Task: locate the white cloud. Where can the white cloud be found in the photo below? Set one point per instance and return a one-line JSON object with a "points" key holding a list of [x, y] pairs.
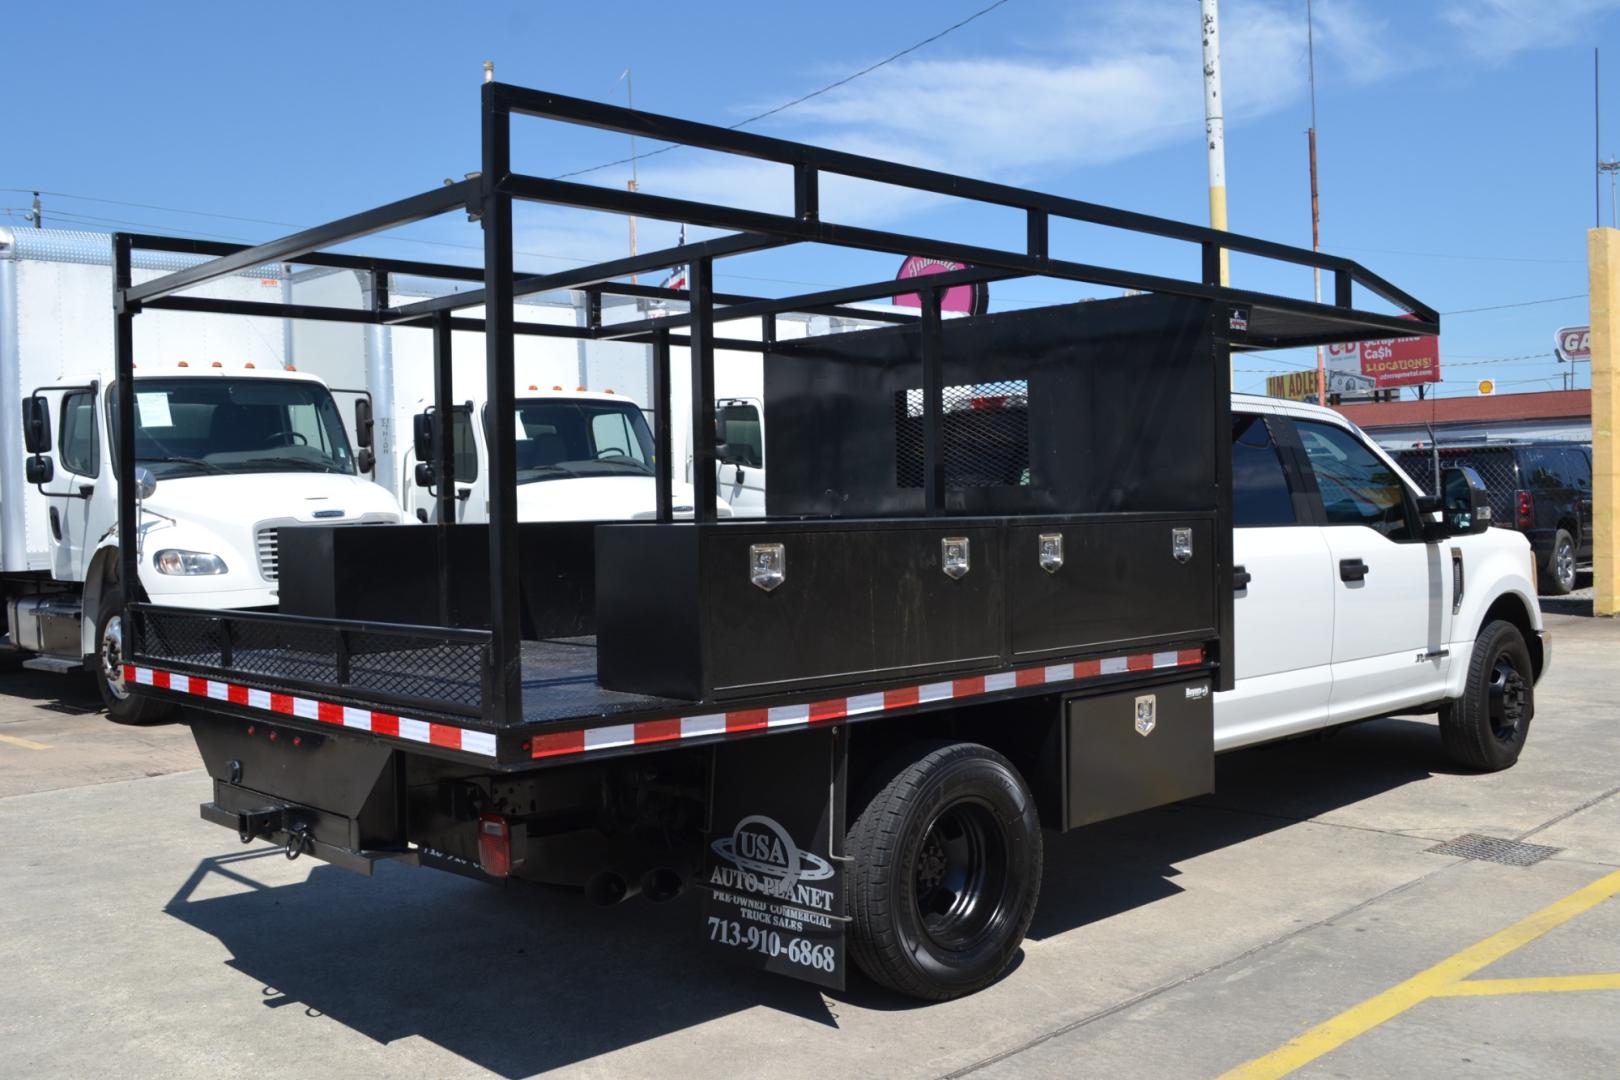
{"points": [[1498, 29], [1128, 82]]}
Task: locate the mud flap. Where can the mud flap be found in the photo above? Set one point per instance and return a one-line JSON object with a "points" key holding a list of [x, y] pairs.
{"points": [[774, 864]]}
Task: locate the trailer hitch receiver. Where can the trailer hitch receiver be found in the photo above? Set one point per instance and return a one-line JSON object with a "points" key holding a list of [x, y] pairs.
{"points": [[263, 821]]}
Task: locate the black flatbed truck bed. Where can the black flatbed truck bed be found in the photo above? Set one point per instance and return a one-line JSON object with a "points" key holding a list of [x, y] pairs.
{"points": [[1030, 587]]}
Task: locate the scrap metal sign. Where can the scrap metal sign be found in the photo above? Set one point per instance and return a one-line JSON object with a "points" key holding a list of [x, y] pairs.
{"points": [[1364, 366]]}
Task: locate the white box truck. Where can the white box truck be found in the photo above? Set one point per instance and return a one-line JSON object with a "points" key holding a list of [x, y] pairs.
{"points": [[231, 448]]}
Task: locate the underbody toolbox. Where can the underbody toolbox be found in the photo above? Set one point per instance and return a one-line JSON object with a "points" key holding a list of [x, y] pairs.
{"points": [[1138, 749]]}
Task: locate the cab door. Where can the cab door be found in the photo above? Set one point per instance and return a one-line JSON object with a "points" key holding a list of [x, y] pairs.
{"points": [[1282, 599], [1391, 590], [740, 472], [77, 508]]}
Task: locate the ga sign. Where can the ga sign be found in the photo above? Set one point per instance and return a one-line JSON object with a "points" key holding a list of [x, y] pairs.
{"points": [[1573, 343]]}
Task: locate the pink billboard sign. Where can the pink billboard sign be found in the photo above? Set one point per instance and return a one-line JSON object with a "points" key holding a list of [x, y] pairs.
{"points": [[965, 299]]}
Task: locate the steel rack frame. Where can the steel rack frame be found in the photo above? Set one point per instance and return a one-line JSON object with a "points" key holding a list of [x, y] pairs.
{"points": [[1272, 321]]}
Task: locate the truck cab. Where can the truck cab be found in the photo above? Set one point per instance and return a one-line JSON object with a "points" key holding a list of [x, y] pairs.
{"points": [[1349, 602], [581, 456], [225, 458]]}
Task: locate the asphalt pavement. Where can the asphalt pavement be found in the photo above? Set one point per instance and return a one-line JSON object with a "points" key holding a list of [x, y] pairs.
{"points": [[1295, 921]]}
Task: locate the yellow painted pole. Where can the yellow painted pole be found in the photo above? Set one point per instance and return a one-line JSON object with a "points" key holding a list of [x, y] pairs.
{"points": [[1215, 123], [1603, 263]]}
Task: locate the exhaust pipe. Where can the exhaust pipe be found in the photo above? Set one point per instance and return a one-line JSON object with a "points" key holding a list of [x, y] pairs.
{"points": [[661, 884], [607, 889]]}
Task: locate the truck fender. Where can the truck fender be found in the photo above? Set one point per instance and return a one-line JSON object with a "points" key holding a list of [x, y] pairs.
{"points": [[103, 569], [1514, 603]]}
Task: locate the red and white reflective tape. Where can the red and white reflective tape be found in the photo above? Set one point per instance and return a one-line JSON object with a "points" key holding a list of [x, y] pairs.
{"points": [[430, 732], [644, 732]]}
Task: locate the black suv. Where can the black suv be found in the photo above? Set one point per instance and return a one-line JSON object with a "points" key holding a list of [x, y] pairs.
{"points": [[1542, 489]]}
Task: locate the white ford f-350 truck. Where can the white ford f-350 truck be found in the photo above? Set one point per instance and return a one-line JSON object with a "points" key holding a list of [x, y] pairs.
{"points": [[1347, 607], [1017, 572]]}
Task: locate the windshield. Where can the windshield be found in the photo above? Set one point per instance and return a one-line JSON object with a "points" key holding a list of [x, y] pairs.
{"points": [[559, 439], [201, 426]]}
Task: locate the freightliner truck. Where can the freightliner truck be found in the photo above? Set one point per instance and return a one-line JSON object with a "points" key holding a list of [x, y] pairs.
{"points": [[231, 448], [846, 724]]}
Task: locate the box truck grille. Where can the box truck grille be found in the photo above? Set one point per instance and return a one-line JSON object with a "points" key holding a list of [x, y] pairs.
{"points": [[268, 546], [267, 540]]}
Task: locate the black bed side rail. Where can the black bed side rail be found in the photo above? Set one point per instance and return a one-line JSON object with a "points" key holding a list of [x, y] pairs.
{"points": [[442, 669]]}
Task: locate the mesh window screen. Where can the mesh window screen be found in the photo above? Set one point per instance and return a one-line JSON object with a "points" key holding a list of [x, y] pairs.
{"points": [[985, 435]]}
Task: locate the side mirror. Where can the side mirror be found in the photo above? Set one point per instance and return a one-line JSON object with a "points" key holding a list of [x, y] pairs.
{"points": [[39, 469], [36, 425], [1465, 505], [422, 437], [145, 482], [362, 425], [424, 474], [365, 459]]}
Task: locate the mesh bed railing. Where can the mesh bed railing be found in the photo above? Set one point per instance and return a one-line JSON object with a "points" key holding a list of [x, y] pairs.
{"points": [[429, 668]]}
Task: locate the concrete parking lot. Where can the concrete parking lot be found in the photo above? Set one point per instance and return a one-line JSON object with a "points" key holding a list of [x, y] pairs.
{"points": [[1294, 920]]}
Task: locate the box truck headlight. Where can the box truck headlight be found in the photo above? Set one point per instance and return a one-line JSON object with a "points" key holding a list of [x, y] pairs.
{"points": [[176, 561]]}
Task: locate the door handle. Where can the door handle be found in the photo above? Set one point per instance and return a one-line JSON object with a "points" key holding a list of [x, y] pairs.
{"points": [[1352, 570], [1240, 579], [86, 490]]}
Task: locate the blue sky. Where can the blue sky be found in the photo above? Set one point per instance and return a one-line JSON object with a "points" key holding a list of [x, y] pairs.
{"points": [[1456, 137]]}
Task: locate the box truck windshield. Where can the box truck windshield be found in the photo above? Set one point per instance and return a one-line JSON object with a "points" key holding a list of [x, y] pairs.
{"points": [[196, 426]]}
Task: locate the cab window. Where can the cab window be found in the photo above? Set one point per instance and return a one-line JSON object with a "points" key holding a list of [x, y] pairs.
{"points": [[80, 450], [462, 446], [1260, 494], [739, 429], [1357, 487]]}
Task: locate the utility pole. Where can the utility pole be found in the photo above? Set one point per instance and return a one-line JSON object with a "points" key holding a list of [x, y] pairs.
{"points": [[1214, 125], [1316, 212], [35, 215], [630, 100]]}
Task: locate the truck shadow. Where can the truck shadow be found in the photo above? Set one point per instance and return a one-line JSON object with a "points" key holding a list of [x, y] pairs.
{"points": [[517, 980], [1106, 869], [522, 979], [74, 694]]}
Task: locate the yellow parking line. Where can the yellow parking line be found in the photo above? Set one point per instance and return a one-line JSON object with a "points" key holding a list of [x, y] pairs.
{"points": [[1437, 980], [26, 744], [1551, 984]]}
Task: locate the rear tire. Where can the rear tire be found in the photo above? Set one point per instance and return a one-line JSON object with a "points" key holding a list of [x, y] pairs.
{"points": [[1559, 579], [1486, 728], [106, 666], [946, 871]]}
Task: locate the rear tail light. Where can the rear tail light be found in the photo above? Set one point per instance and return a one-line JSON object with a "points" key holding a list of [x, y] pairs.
{"points": [[1525, 509], [494, 845]]}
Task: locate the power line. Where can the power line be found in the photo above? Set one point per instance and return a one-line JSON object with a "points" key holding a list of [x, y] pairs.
{"points": [[803, 97], [1463, 257], [1522, 303]]}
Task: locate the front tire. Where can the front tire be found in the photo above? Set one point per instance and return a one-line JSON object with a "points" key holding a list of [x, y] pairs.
{"points": [[1486, 728], [107, 665], [1560, 577], [946, 871]]}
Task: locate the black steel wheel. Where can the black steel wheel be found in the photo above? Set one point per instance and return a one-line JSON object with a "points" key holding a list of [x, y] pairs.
{"points": [[946, 870], [1559, 578], [1487, 727]]}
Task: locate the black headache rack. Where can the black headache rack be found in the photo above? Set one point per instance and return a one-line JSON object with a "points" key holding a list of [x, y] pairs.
{"points": [[961, 508]]}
